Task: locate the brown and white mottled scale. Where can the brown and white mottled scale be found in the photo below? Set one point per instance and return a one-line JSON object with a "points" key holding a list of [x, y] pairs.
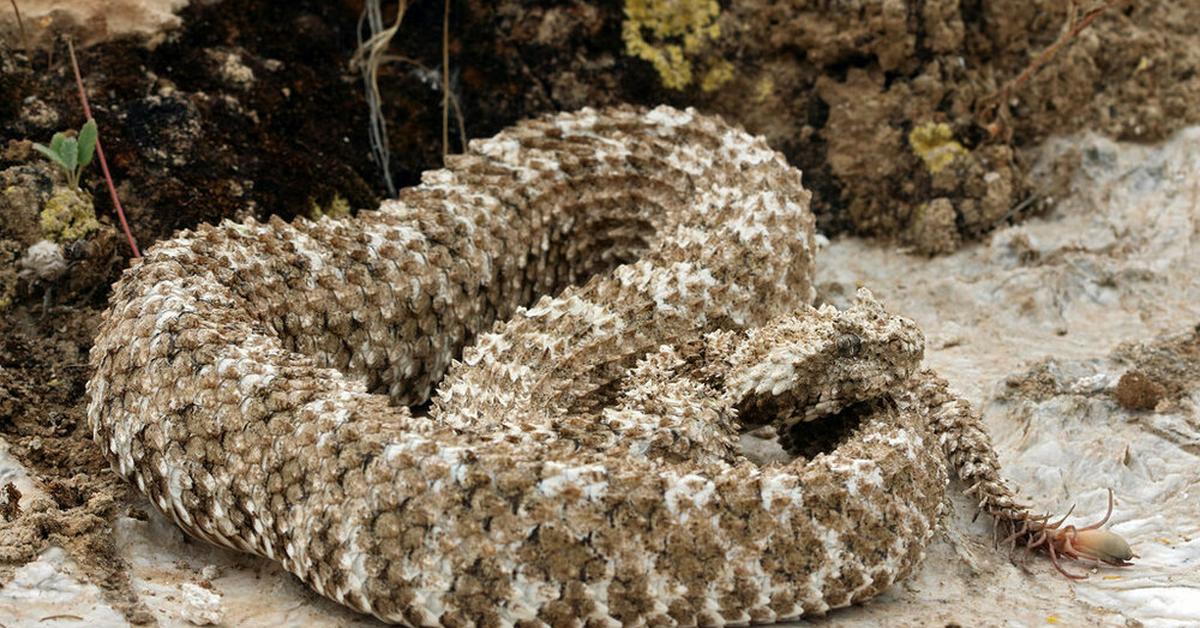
{"points": [[628, 289]]}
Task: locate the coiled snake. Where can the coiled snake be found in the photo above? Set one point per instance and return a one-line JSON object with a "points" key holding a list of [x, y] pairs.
{"points": [[580, 463]]}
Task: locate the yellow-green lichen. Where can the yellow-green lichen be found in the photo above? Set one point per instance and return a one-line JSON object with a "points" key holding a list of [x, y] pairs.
{"points": [[669, 33], [338, 207], [68, 216], [934, 143], [719, 74], [764, 89]]}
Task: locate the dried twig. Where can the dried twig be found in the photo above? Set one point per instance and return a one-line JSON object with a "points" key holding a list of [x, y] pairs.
{"points": [[991, 104], [112, 189], [454, 103], [367, 59], [21, 26], [372, 54], [445, 78]]}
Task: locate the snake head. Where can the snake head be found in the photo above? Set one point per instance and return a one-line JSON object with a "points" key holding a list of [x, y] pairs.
{"points": [[816, 362], [869, 353]]}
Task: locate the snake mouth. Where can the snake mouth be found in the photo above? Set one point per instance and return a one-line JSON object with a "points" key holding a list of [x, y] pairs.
{"points": [[808, 439], [779, 435]]}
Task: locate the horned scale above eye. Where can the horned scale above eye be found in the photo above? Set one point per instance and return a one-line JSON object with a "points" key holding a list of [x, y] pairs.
{"points": [[579, 463]]}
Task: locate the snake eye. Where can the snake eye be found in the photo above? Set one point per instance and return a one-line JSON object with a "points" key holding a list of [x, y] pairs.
{"points": [[849, 345]]}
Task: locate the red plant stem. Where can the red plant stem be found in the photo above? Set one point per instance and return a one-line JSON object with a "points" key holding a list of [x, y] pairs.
{"points": [[112, 189], [1073, 31], [1071, 34]]}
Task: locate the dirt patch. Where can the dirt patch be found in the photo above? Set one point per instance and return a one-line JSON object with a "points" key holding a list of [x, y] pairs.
{"points": [[1137, 392], [854, 95], [886, 108], [250, 109], [42, 377], [1156, 375], [1164, 370]]}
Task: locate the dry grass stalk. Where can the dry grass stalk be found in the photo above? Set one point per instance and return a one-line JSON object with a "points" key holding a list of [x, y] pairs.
{"points": [[21, 26], [446, 79], [367, 59], [989, 112]]}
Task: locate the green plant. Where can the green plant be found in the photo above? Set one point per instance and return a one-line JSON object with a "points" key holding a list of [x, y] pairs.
{"points": [[72, 154]]}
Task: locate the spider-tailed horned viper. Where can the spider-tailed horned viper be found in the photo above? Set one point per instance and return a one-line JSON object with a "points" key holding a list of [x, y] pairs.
{"points": [[580, 463]]}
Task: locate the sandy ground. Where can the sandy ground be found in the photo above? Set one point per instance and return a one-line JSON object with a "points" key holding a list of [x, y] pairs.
{"points": [[1037, 325]]}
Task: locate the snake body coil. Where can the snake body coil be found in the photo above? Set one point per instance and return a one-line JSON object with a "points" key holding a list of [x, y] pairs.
{"points": [[579, 465]]}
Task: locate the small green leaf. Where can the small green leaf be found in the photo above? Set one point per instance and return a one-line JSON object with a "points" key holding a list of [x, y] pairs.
{"points": [[70, 153], [49, 154], [56, 142], [87, 142]]}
